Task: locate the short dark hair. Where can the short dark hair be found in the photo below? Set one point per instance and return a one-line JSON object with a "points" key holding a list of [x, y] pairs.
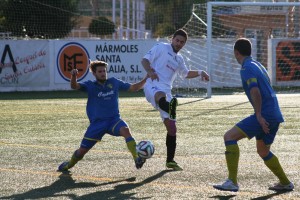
{"points": [[97, 63], [243, 46], [181, 32]]}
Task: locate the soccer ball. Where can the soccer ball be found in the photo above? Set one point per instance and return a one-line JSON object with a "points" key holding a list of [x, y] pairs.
{"points": [[145, 149]]}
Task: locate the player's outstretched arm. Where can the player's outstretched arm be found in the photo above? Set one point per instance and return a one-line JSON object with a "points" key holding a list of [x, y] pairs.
{"points": [[73, 82], [151, 73], [139, 85], [196, 73]]}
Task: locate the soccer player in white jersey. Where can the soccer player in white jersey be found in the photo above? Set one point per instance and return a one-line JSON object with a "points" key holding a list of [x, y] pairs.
{"points": [[162, 64]]}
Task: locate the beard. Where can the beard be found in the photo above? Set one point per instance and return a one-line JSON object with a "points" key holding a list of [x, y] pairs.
{"points": [[102, 79], [175, 48]]}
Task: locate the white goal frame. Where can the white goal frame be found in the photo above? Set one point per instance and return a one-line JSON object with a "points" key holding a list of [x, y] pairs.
{"points": [[210, 6]]}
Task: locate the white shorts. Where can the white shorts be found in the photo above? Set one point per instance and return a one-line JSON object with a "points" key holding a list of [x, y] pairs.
{"points": [[150, 92]]}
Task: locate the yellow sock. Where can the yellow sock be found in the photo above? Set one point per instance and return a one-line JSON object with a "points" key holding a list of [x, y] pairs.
{"points": [[232, 155], [74, 160], [272, 162], [131, 145]]}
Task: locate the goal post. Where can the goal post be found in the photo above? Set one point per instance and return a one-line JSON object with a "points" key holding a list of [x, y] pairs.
{"points": [[214, 27]]}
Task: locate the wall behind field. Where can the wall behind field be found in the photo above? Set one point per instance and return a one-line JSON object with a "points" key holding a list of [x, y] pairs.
{"points": [[45, 65], [42, 65]]}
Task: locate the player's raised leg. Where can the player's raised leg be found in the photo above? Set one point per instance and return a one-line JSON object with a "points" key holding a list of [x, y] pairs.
{"points": [[163, 104], [172, 108], [169, 107]]}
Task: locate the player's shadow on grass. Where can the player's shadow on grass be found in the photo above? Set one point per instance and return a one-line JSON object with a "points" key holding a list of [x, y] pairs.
{"points": [[191, 102], [270, 196], [209, 111], [65, 182], [121, 191], [223, 197]]}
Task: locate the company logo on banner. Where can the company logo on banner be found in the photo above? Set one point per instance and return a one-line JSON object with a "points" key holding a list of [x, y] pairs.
{"points": [[73, 56], [287, 61]]}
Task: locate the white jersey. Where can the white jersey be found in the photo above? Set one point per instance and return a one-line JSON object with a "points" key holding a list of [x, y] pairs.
{"points": [[167, 64]]}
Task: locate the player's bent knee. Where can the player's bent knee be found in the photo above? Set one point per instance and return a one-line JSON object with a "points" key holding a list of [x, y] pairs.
{"points": [[124, 131], [227, 136], [233, 134], [263, 153]]}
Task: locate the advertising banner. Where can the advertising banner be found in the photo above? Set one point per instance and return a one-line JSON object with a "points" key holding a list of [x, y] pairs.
{"points": [[123, 58], [287, 61], [45, 65], [283, 62], [24, 64]]}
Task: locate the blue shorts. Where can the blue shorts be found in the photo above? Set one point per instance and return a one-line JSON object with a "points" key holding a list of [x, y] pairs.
{"points": [[98, 129], [251, 128]]}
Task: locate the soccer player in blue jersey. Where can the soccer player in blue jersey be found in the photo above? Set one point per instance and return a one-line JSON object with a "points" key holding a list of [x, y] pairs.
{"points": [[103, 112], [263, 124]]}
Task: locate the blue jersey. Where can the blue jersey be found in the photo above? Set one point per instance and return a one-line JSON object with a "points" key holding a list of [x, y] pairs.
{"points": [[103, 99], [254, 74]]}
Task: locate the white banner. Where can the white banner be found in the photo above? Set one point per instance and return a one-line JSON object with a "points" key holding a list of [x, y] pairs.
{"points": [[124, 58], [44, 65], [24, 63]]}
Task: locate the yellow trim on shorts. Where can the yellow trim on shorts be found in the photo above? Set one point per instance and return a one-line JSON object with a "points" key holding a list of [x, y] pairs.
{"points": [[242, 132], [91, 139], [113, 129]]}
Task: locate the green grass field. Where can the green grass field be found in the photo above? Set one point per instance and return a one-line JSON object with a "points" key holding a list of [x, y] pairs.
{"points": [[40, 130]]}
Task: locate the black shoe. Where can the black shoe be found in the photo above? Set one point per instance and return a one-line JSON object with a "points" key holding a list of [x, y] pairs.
{"points": [[63, 167], [139, 162], [172, 108], [173, 165], [282, 188]]}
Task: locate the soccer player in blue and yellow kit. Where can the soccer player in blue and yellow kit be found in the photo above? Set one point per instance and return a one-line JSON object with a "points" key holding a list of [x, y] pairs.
{"points": [[103, 112], [263, 124]]}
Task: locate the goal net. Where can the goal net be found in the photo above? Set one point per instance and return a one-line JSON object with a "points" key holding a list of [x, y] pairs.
{"points": [[273, 29]]}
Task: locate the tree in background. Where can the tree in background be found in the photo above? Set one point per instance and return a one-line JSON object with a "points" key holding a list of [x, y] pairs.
{"points": [[42, 18], [2, 3], [56, 18], [102, 26], [163, 17]]}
